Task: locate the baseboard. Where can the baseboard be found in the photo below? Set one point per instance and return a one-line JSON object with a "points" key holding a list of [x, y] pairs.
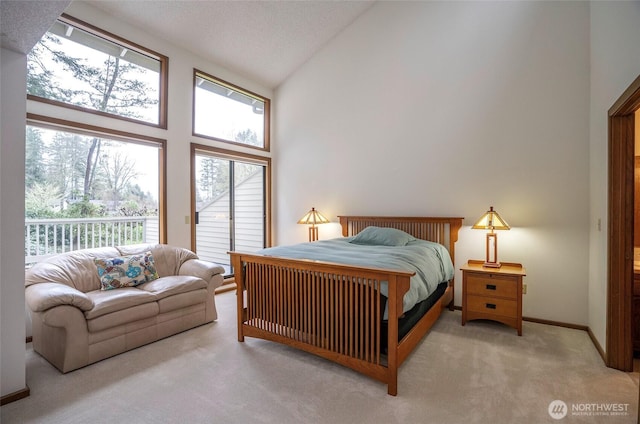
{"points": [[228, 285], [566, 325], [556, 323], [12, 397], [603, 355], [576, 327]]}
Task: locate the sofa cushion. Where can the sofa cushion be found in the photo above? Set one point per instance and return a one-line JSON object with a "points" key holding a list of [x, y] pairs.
{"points": [[172, 285], [126, 271], [75, 269], [182, 301], [106, 302], [129, 316]]}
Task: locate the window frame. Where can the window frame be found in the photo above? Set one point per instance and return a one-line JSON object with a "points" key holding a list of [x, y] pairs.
{"points": [[122, 136], [233, 156], [267, 111], [164, 75]]}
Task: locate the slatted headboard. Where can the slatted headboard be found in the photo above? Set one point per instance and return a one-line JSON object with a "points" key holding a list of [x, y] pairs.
{"points": [[443, 230]]}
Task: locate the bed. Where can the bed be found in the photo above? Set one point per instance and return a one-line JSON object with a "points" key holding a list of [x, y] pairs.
{"points": [[356, 315]]}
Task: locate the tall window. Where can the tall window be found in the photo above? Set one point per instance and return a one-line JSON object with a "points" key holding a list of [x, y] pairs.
{"points": [[225, 112], [89, 186], [79, 66], [231, 202], [86, 189]]}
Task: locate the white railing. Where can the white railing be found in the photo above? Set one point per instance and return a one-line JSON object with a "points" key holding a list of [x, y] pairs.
{"points": [[46, 237]]}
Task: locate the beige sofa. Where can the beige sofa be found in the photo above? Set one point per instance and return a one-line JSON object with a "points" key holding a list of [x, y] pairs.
{"points": [[75, 323]]}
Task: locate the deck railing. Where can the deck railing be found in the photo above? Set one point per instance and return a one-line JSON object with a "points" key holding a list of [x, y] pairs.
{"points": [[47, 237]]}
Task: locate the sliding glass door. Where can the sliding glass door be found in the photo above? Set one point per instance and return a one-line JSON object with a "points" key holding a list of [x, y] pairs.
{"points": [[230, 205]]}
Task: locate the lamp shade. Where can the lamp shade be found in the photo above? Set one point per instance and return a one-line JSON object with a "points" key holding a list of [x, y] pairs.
{"points": [[313, 217], [491, 220]]}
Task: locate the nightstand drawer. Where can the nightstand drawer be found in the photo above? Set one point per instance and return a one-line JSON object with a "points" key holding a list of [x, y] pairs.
{"points": [[492, 305], [492, 285]]}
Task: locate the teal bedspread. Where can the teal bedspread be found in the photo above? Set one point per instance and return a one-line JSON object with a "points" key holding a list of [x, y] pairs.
{"points": [[430, 261]]}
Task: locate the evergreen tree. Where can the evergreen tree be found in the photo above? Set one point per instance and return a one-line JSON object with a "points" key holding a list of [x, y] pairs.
{"points": [[213, 179], [65, 167], [248, 136], [35, 167]]}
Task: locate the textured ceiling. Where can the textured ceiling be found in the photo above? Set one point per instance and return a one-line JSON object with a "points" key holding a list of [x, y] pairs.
{"points": [[23, 23], [262, 40]]}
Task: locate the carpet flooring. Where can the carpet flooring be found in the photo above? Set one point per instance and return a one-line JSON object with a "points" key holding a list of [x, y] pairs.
{"points": [[480, 373]]}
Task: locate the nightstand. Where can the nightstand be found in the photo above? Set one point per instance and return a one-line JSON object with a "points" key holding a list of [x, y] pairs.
{"points": [[493, 293]]}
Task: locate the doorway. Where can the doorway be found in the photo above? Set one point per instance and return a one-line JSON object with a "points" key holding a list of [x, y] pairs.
{"points": [[621, 228], [635, 304]]}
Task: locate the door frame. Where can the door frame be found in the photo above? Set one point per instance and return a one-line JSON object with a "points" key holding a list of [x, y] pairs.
{"points": [[621, 162], [231, 155]]}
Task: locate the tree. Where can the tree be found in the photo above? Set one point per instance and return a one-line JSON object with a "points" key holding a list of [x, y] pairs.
{"points": [[39, 199], [206, 180], [119, 171], [115, 87], [34, 160], [144, 202], [65, 163], [40, 81], [214, 173], [214, 178], [248, 136]]}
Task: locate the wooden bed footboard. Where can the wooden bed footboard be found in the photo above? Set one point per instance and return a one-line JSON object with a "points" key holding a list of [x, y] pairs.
{"points": [[333, 310]]}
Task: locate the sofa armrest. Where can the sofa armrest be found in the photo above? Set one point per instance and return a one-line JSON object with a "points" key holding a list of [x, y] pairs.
{"points": [[202, 269], [43, 296]]}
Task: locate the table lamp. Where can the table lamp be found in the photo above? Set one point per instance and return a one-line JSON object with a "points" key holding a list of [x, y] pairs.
{"points": [[491, 220], [312, 218]]}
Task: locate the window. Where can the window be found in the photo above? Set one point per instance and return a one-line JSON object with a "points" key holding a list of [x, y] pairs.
{"points": [[230, 198], [228, 113], [79, 66], [88, 187]]}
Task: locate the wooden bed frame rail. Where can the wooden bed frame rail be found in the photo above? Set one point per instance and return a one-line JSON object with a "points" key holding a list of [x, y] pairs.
{"points": [[333, 310]]}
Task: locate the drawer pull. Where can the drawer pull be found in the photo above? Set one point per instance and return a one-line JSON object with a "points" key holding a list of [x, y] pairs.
{"points": [[490, 305], [491, 286]]}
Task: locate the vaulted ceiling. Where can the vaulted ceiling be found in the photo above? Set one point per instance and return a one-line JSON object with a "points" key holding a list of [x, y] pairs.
{"points": [[262, 40]]}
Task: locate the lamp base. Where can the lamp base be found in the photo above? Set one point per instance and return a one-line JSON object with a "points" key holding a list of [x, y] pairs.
{"points": [[313, 233], [492, 264]]}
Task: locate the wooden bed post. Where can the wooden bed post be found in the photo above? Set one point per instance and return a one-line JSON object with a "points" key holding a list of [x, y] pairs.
{"points": [[454, 227], [236, 262], [397, 287], [392, 341]]}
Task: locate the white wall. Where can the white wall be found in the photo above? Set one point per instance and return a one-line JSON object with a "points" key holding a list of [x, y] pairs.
{"points": [[615, 64], [433, 108], [13, 85]]}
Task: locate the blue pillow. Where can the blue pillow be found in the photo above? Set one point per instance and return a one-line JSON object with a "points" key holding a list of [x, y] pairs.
{"points": [[379, 236]]}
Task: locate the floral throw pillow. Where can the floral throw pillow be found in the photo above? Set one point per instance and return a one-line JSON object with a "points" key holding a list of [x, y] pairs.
{"points": [[126, 271]]}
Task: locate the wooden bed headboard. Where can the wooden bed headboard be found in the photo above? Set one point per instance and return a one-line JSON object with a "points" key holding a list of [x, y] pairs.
{"points": [[443, 230]]}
